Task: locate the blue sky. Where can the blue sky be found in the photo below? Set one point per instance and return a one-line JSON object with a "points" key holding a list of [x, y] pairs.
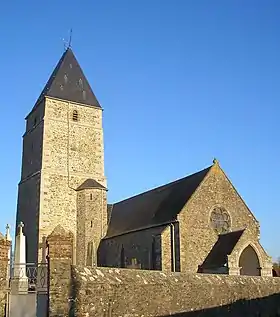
{"points": [[180, 82]]}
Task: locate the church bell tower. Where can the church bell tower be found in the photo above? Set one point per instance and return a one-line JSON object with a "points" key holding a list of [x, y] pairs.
{"points": [[62, 150]]}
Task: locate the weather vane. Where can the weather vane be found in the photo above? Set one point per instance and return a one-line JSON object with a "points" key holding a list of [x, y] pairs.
{"points": [[68, 44]]}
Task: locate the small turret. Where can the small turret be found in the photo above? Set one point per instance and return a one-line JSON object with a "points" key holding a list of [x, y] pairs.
{"points": [[91, 220]]}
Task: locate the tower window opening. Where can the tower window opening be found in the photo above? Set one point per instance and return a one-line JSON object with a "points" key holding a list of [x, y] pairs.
{"points": [[91, 224], [84, 95], [75, 115], [90, 196]]}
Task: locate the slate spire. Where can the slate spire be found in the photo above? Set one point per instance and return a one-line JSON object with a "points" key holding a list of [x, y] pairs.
{"points": [[68, 82]]}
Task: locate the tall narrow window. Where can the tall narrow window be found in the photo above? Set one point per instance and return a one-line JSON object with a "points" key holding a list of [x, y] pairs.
{"points": [[90, 196], [90, 254], [122, 258], [75, 115], [153, 255]]}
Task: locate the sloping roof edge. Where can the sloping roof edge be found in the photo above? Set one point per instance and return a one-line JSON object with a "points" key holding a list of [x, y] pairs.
{"points": [[238, 194], [165, 224], [66, 88], [157, 206], [91, 183], [223, 247], [164, 185]]}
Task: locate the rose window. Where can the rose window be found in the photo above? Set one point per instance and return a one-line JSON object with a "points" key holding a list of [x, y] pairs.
{"points": [[220, 220]]}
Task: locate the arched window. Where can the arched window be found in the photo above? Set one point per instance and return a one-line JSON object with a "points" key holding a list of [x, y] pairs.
{"points": [[75, 115]]}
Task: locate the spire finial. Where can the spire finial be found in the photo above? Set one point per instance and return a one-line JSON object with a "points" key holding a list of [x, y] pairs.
{"points": [[67, 44], [70, 39], [215, 161]]}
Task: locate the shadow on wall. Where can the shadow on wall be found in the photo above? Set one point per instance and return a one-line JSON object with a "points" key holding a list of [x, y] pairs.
{"points": [[263, 307]]}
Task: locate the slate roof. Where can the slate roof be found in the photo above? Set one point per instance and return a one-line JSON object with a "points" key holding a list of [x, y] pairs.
{"points": [[68, 82], [154, 207], [90, 183], [225, 244]]}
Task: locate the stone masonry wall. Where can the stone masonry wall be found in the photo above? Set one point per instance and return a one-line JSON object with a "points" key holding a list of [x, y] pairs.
{"points": [[151, 248], [171, 248], [29, 186], [60, 255], [35, 117], [32, 151], [138, 245], [131, 293], [197, 237], [85, 291], [27, 212], [72, 153], [85, 137], [5, 246], [166, 249]]}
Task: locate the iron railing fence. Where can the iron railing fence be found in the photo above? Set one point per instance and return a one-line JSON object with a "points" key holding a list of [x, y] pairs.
{"points": [[30, 277]]}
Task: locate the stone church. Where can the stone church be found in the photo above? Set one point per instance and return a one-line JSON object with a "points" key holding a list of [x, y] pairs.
{"points": [[195, 224]]}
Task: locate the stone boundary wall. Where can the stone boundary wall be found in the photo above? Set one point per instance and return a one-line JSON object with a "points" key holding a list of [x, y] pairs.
{"points": [[111, 292], [131, 293], [5, 246], [60, 255]]}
